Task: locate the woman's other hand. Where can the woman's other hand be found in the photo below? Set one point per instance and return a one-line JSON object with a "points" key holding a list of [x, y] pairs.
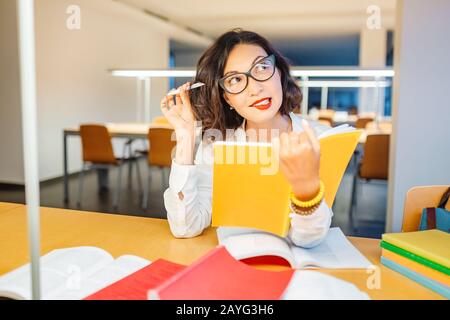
{"points": [[300, 161]]}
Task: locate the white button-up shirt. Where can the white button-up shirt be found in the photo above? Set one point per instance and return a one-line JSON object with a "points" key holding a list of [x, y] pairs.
{"points": [[190, 216]]}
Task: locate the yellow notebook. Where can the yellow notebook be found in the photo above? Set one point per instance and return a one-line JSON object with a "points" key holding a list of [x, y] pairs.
{"points": [[433, 245], [249, 189]]}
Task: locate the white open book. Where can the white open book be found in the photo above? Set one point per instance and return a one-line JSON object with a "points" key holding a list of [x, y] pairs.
{"points": [[335, 252], [70, 274], [314, 285]]}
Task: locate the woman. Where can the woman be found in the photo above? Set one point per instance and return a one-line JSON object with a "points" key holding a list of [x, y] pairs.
{"points": [[248, 88]]}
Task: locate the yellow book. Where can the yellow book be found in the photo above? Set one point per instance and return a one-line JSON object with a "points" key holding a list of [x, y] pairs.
{"points": [[417, 267], [249, 189], [433, 245]]}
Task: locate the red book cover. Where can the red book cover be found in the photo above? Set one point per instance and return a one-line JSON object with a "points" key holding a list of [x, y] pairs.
{"points": [[136, 285], [218, 275]]}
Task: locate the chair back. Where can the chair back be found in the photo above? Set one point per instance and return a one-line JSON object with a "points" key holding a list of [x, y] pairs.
{"points": [[161, 147], [325, 122], [361, 122], [96, 144], [327, 112], [418, 198], [375, 161]]}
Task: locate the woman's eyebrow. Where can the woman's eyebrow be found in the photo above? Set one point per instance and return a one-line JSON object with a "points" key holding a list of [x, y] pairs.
{"points": [[230, 72]]}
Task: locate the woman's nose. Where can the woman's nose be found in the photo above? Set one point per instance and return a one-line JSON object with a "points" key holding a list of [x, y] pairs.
{"points": [[254, 87]]}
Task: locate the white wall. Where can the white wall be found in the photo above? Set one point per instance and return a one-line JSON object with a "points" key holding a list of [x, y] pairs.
{"points": [[372, 54], [186, 59], [72, 79], [73, 83], [11, 164], [420, 144]]}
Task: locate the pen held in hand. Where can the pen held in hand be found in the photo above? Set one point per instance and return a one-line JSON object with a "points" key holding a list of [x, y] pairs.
{"points": [[177, 91]]}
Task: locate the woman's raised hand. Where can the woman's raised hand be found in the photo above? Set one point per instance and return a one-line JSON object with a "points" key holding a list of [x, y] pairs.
{"points": [[179, 112], [180, 116], [300, 161]]}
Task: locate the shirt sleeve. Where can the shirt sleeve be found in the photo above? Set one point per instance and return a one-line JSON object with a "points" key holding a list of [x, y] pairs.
{"points": [[190, 216], [309, 231]]}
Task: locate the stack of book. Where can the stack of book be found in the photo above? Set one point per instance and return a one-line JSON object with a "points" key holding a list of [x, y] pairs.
{"points": [[423, 256]]}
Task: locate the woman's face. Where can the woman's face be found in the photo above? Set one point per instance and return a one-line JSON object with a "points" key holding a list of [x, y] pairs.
{"points": [[260, 101]]}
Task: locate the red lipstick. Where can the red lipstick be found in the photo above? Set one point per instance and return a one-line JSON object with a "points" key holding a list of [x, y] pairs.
{"points": [[262, 104]]}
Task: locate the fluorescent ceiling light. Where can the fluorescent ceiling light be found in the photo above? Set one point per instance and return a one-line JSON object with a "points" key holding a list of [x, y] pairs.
{"points": [[342, 73], [344, 84], [153, 73]]}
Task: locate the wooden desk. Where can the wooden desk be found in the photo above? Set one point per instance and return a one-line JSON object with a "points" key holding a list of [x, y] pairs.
{"points": [[151, 239], [129, 130], [350, 119], [6, 206]]}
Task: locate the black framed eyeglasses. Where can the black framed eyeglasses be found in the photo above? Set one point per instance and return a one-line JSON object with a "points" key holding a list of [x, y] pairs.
{"points": [[261, 70]]}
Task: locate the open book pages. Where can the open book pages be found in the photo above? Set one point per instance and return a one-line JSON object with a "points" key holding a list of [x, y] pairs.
{"points": [[343, 128], [70, 274], [314, 285], [335, 252]]}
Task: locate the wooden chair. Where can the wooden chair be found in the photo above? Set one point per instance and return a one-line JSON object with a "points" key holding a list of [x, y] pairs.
{"points": [[327, 115], [373, 165], [361, 122], [98, 153], [326, 112], [161, 145], [418, 198], [325, 122]]}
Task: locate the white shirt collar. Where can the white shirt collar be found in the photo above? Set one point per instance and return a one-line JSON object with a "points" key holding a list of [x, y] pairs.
{"points": [[296, 126]]}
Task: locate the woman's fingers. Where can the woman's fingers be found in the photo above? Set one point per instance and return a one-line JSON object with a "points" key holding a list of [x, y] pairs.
{"points": [[287, 152], [284, 145], [299, 160], [304, 140], [178, 99], [185, 96], [311, 136], [164, 106], [170, 102], [293, 140], [177, 108]]}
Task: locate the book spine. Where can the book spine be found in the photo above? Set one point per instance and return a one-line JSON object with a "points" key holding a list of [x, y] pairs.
{"points": [[430, 284], [414, 257]]}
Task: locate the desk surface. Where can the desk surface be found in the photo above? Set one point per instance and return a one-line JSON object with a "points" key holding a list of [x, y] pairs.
{"points": [[125, 128], [151, 238], [6, 206]]}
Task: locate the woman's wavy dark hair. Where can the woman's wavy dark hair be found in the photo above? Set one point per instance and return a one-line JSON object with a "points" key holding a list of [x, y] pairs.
{"points": [[208, 103]]}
